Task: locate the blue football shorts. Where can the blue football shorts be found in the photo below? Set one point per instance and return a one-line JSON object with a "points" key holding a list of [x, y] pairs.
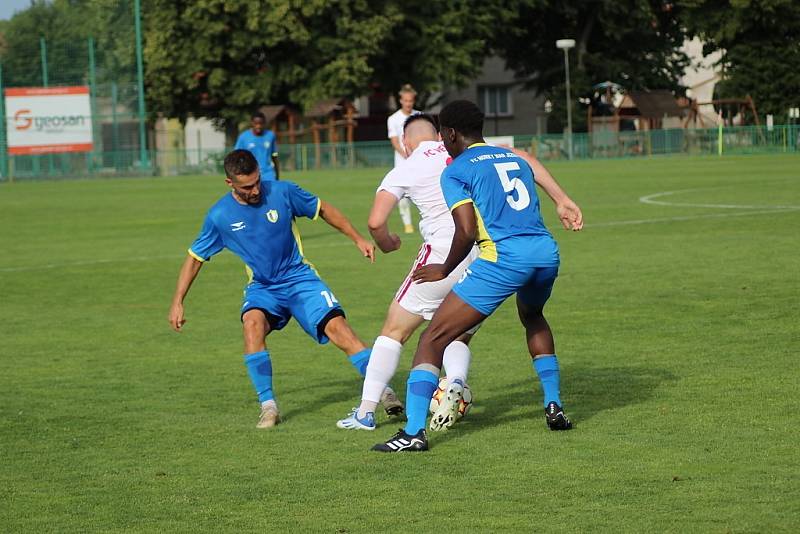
{"points": [[485, 285], [304, 297]]}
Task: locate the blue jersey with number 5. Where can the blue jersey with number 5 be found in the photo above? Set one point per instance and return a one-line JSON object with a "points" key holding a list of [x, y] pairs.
{"points": [[500, 186]]}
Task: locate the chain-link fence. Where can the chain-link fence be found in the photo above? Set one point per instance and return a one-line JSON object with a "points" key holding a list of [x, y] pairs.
{"points": [[118, 126], [41, 56]]}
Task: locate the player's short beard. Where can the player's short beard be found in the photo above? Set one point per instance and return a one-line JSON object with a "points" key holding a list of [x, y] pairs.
{"points": [[251, 200]]}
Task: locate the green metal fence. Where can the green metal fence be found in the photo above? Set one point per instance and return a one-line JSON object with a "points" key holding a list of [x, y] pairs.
{"points": [[109, 65], [119, 154]]}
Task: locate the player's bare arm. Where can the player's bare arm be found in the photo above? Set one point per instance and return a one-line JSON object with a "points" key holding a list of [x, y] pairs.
{"points": [[336, 219], [568, 211], [276, 166], [463, 240], [398, 146], [378, 222], [189, 271]]}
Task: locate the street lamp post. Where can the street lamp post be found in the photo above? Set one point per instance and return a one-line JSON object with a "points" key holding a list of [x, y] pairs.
{"points": [[565, 45]]}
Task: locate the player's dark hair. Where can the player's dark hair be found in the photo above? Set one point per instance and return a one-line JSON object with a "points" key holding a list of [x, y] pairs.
{"points": [[239, 163], [463, 116], [421, 117], [258, 115]]}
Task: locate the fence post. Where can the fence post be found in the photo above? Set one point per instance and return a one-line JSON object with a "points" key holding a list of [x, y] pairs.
{"points": [[3, 142], [114, 125], [140, 82], [43, 52], [93, 100], [719, 137]]}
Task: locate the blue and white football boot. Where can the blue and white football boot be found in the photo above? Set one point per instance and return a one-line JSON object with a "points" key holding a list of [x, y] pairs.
{"points": [[353, 422]]}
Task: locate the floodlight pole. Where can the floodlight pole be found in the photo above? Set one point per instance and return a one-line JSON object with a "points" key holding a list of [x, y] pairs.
{"points": [[565, 45]]}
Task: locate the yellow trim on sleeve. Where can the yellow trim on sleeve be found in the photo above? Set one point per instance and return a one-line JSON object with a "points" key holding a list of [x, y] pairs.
{"points": [[316, 213], [195, 256], [460, 203], [249, 272], [487, 247]]}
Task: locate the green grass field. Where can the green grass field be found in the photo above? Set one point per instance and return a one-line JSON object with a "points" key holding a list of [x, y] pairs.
{"points": [[676, 324]]}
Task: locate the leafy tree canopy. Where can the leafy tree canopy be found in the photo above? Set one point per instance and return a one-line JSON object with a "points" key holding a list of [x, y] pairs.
{"points": [[635, 43], [222, 58], [760, 41]]}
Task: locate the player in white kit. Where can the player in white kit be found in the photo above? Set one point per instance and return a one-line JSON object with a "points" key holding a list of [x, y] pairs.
{"points": [[416, 177], [394, 125]]}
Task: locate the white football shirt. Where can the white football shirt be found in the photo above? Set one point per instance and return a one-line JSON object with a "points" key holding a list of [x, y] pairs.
{"points": [[394, 125], [418, 178]]}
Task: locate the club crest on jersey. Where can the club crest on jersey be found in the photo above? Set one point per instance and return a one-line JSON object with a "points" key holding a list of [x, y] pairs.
{"points": [[272, 216]]}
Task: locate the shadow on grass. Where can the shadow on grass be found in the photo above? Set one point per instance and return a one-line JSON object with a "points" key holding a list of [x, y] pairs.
{"points": [[316, 396], [586, 392]]}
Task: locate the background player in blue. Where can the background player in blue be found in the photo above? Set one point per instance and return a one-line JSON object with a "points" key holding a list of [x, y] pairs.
{"points": [[491, 194], [263, 145], [255, 221]]}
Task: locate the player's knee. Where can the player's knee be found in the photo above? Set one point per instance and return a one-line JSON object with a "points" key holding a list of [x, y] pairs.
{"points": [[398, 334], [436, 337], [253, 324]]}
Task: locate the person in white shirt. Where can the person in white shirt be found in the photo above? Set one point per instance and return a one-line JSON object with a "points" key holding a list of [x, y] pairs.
{"points": [[394, 125], [418, 179]]}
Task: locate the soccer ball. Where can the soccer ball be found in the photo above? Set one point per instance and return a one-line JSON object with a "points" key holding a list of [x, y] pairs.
{"points": [[438, 396]]}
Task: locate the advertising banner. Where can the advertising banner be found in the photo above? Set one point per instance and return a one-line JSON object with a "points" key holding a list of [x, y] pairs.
{"points": [[46, 120]]}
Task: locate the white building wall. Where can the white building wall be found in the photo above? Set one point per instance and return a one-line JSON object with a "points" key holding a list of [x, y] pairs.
{"points": [[202, 140]]}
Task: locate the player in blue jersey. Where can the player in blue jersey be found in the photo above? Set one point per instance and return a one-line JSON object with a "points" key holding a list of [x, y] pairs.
{"points": [[491, 195], [256, 221], [263, 145]]}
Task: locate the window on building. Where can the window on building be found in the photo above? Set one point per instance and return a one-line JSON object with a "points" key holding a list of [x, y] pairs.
{"points": [[495, 100]]}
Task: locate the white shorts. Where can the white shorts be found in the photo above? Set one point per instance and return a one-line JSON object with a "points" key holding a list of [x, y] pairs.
{"points": [[424, 299]]}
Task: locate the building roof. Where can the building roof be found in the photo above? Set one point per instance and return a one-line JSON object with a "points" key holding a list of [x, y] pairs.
{"points": [[272, 112], [323, 108], [651, 104]]}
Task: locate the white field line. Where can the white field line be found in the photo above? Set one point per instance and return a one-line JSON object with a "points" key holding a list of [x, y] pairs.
{"points": [[690, 217], [650, 199], [338, 242]]}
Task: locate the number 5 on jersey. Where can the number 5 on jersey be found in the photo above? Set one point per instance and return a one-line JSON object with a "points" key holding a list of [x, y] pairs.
{"points": [[512, 184]]}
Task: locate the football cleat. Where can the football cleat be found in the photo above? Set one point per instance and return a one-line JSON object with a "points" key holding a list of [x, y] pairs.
{"points": [[409, 228], [353, 422], [391, 403], [556, 418], [402, 442], [446, 414], [269, 416]]}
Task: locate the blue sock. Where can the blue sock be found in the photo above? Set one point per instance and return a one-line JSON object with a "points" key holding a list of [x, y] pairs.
{"points": [[259, 367], [422, 382], [360, 361], [546, 367]]}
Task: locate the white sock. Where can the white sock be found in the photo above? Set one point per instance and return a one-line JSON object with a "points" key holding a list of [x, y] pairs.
{"points": [[456, 361], [404, 207], [380, 370], [268, 402]]}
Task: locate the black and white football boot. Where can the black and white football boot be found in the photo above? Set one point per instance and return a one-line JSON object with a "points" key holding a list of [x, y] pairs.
{"points": [[556, 418], [402, 442]]}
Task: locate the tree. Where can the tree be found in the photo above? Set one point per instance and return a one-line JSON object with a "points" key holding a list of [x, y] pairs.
{"points": [[635, 43], [760, 41], [66, 26], [435, 44], [223, 58]]}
